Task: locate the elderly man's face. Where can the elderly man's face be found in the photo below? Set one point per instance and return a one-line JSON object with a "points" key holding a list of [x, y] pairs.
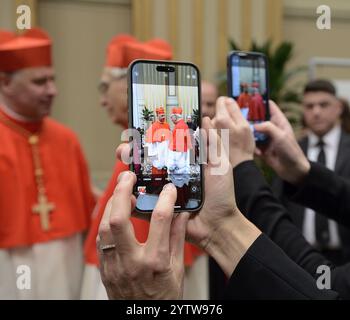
{"points": [[173, 118], [30, 92], [114, 97], [161, 118]]}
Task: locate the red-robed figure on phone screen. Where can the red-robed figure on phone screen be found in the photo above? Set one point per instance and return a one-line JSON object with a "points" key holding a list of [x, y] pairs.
{"points": [[157, 141], [244, 98], [256, 107], [180, 144]]}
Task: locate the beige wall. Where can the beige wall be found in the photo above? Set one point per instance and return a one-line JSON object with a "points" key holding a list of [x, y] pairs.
{"points": [[199, 29], [299, 27], [7, 13]]}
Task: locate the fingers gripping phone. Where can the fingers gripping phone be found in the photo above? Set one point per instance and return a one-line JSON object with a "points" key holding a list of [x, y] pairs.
{"points": [[164, 111], [248, 84]]}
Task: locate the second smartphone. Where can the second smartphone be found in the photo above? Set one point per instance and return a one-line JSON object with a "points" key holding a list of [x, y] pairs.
{"points": [[247, 75], [164, 109]]}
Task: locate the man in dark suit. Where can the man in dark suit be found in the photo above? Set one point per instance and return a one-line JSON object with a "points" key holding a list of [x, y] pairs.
{"points": [[329, 145]]}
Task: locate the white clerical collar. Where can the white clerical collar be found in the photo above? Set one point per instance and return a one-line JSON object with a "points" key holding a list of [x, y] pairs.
{"points": [[331, 138]]}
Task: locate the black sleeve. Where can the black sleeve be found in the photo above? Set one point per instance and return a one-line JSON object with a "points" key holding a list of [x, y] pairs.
{"points": [[325, 192], [256, 201], [265, 272]]}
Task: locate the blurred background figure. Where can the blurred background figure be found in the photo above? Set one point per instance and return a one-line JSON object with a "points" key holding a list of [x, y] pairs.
{"points": [[45, 192], [113, 98], [327, 143], [345, 116], [121, 51]]}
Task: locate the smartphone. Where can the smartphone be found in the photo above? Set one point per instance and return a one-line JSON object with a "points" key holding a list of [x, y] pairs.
{"points": [[165, 114], [247, 75]]}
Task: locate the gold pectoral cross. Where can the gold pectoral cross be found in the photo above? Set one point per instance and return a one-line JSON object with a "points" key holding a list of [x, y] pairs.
{"points": [[43, 207]]}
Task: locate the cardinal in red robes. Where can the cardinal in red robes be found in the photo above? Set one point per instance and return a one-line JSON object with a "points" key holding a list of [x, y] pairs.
{"points": [[157, 141], [121, 51], [45, 193], [179, 156], [244, 98], [256, 107], [181, 139]]}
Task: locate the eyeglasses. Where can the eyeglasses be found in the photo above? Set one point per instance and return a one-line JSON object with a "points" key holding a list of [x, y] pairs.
{"points": [[104, 85]]}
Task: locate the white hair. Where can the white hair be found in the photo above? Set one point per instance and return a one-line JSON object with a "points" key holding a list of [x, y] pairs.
{"points": [[117, 73]]}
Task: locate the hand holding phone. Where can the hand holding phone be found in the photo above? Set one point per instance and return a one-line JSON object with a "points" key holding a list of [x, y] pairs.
{"points": [[164, 108]]}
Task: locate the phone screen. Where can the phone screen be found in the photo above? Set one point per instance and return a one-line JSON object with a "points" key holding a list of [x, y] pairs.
{"points": [[165, 110], [248, 85]]}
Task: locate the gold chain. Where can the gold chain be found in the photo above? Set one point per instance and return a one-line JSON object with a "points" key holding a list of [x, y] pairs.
{"points": [[33, 140]]}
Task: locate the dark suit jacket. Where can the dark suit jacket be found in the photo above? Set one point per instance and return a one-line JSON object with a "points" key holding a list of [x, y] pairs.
{"points": [[325, 192], [257, 202], [342, 168]]}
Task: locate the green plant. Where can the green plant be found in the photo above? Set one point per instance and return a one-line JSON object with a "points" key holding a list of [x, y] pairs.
{"points": [[147, 114], [195, 116]]}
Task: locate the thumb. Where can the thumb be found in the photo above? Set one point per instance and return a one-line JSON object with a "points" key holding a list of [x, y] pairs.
{"points": [[268, 128], [123, 152]]}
